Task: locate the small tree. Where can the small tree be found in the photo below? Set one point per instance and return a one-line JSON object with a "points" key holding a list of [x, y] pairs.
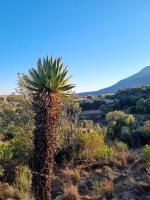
{"points": [[116, 120]]}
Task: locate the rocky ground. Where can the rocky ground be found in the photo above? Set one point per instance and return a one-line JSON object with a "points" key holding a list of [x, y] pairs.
{"points": [[124, 178], [130, 181]]}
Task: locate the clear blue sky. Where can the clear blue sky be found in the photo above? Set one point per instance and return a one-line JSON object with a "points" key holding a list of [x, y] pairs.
{"points": [[102, 41]]}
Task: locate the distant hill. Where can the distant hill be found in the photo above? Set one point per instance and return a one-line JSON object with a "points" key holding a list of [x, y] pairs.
{"points": [[142, 78]]}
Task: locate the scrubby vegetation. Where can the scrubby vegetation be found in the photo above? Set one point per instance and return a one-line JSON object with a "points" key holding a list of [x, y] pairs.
{"points": [[146, 153], [95, 159]]}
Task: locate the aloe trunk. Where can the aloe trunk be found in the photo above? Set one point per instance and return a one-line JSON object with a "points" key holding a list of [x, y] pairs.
{"points": [[47, 108]]}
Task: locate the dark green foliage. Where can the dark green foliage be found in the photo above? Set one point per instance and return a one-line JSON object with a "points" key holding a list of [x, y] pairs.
{"points": [[143, 106], [17, 125], [16, 115], [89, 97], [135, 100], [93, 105], [22, 151], [1, 99]]}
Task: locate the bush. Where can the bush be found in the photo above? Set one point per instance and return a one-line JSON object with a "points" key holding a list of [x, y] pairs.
{"points": [[90, 143], [91, 126], [146, 152], [93, 146], [92, 105], [6, 151], [22, 149], [23, 180], [105, 153], [122, 155], [117, 120]]}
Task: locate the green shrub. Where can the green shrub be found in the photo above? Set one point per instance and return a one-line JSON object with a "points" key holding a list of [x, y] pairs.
{"points": [[6, 151], [146, 152], [93, 146], [90, 143], [105, 153], [90, 125], [117, 120], [23, 180], [92, 105], [22, 149]]}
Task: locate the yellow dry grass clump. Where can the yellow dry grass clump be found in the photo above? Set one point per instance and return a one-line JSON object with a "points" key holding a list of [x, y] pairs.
{"points": [[71, 193], [71, 174]]}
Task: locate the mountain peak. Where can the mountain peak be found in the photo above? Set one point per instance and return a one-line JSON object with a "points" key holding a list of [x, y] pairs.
{"points": [[147, 68]]}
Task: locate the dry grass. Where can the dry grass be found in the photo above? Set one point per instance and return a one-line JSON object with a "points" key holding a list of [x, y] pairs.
{"points": [[71, 174], [22, 183], [122, 154], [102, 188], [121, 159], [71, 193], [28, 197], [6, 191], [108, 188]]}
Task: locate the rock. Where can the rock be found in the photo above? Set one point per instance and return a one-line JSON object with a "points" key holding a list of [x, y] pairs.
{"points": [[57, 188], [10, 199], [119, 178], [112, 175], [107, 172], [86, 198], [98, 171], [82, 188], [141, 167], [97, 165], [106, 169], [84, 173], [60, 197]]}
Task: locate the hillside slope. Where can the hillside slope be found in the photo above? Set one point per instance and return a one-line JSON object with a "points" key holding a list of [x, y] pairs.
{"points": [[141, 78]]}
